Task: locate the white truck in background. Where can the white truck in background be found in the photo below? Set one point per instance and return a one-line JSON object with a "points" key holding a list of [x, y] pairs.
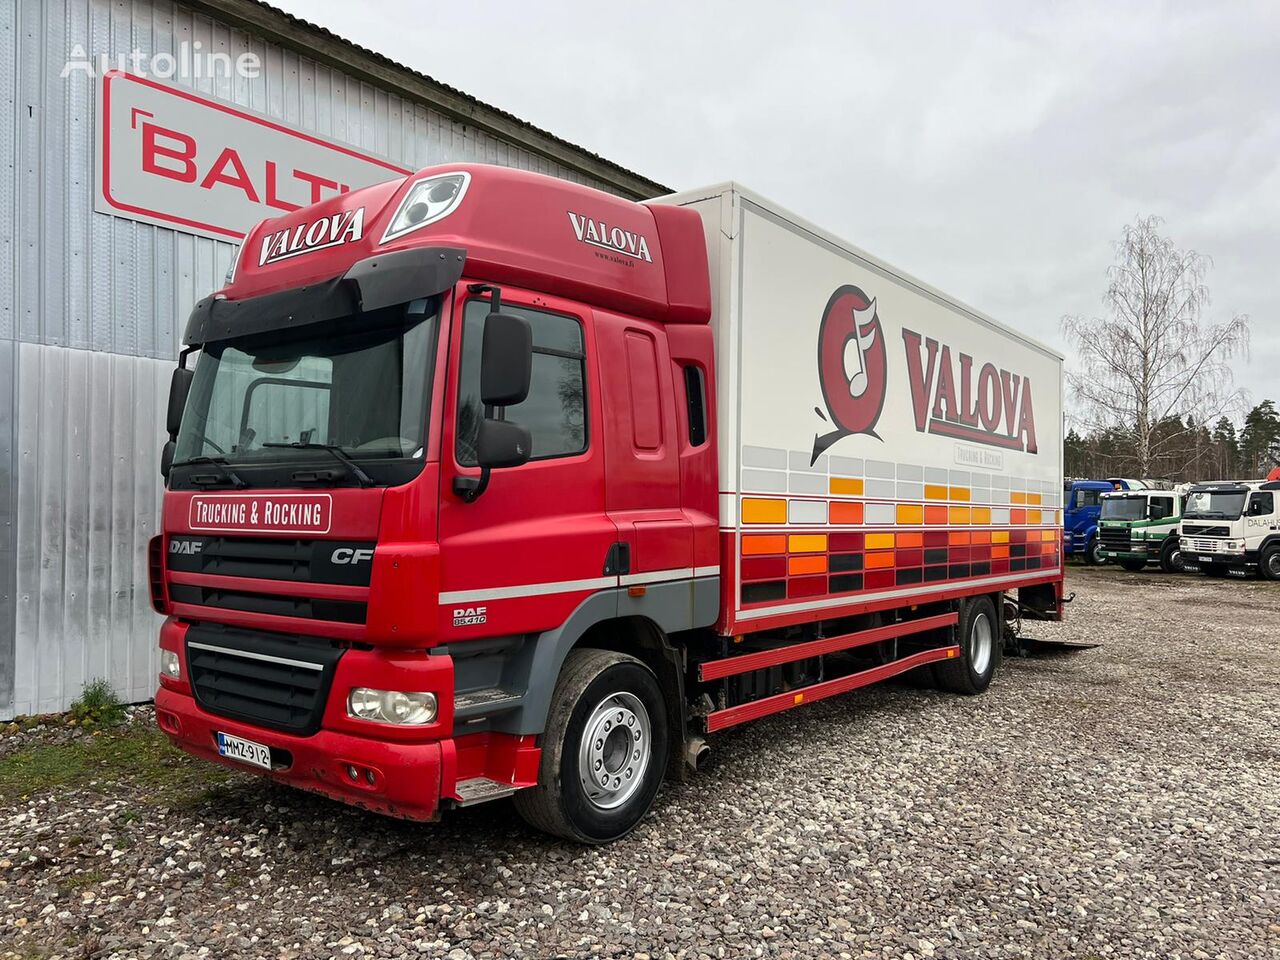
{"points": [[1232, 528]]}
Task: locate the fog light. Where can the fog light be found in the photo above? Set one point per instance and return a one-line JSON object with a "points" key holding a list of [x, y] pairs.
{"points": [[391, 706], [169, 665]]}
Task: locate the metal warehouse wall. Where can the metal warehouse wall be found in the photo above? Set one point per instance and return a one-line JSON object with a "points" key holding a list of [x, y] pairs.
{"points": [[91, 308]]}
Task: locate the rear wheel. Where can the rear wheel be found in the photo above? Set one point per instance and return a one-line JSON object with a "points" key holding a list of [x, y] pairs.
{"points": [[1171, 556], [604, 750], [1269, 562], [1133, 566], [1093, 553], [980, 650]]}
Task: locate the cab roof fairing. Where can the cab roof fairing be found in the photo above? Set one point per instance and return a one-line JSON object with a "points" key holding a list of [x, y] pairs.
{"points": [[516, 227]]}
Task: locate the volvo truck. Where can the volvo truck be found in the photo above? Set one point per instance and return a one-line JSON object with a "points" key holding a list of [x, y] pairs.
{"points": [[486, 484], [1232, 528]]}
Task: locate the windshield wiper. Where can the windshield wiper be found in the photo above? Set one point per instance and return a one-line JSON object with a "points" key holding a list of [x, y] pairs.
{"points": [[204, 480], [361, 477]]}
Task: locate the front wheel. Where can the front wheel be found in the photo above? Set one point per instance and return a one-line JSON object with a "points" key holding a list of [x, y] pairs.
{"points": [[604, 751], [1171, 556], [1269, 562], [980, 650], [1093, 553]]}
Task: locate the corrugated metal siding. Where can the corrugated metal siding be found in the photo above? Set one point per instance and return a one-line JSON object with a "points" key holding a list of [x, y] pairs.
{"points": [[8, 524], [88, 498], [88, 295]]}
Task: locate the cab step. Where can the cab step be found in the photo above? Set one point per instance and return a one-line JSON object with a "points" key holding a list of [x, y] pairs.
{"points": [[479, 789], [477, 704]]}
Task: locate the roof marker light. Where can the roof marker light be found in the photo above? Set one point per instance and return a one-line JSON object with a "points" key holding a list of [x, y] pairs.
{"points": [[428, 201]]}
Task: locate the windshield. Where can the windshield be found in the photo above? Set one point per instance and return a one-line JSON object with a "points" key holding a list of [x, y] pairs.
{"points": [[1214, 505], [1124, 508], [355, 389]]}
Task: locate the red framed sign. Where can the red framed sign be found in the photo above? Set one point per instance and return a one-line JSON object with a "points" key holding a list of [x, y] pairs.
{"points": [[176, 158]]}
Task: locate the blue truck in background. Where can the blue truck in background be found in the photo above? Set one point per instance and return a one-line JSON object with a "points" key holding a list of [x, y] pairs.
{"points": [[1082, 503]]}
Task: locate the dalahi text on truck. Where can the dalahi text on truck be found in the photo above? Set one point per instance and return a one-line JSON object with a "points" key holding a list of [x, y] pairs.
{"points": [[483, 483]]}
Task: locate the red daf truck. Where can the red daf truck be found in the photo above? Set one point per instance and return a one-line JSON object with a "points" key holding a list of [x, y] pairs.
{"points": [[485, 483]]}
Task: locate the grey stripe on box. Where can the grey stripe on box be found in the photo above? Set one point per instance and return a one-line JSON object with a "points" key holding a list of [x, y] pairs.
{"points": [[808, 483], [764, 457], [910, 491], [880, 513], [879, 488], [935, 475], [766, 481], [961, 478], [909, 471], [846, 466], [800, 461], [879, 468], [807, 511]]}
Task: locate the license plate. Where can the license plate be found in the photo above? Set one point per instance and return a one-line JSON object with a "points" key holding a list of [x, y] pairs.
{"points": [[246, 751]]}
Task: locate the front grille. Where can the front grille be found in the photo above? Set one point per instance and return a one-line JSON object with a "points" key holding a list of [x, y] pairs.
{"points": [[1115, 538], [1204, 530], [299, 561], [1194, 545], [256, 559], [266, 679], [279, 605]]}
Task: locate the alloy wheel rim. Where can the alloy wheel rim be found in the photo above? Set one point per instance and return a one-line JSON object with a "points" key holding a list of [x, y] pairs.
{"points": [[981, 641], [615, 750]]}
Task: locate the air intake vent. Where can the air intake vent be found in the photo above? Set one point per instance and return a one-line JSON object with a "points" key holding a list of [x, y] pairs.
{"points": [[267, 679]]}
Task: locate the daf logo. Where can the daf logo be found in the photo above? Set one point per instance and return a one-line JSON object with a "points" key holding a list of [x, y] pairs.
{"points": [[349, 555], [191, 547], [470, 616]]}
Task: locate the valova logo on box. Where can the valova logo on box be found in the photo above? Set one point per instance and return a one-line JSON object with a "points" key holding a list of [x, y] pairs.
{"points": [[282, 513]]}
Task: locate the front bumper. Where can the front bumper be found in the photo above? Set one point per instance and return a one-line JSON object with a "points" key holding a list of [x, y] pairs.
{"points": [[398, 779]]}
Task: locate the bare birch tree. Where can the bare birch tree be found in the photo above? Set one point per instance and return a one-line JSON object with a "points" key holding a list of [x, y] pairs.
{"points": [[1153, 358]]}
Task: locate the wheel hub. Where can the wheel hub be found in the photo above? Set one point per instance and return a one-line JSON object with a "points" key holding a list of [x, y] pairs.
{"points": [[981, 642], [616, 747]]}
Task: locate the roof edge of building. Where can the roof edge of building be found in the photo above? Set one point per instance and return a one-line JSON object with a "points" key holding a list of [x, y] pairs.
{"points": [[322, 44]]}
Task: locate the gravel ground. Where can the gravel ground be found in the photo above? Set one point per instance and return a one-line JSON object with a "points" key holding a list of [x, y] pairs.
{"points": [[1117, 802]]}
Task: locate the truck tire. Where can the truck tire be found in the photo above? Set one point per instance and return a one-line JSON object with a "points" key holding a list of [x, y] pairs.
{"points": [[1134, 566], [604, 749], [1171, 556], [1093, 552], [980, 650], [1269, 562]]}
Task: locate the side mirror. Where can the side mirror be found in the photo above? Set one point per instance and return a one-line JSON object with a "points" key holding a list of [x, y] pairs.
{"points": [[506, 360], [179, 387], [501, 443], [166, 458]]}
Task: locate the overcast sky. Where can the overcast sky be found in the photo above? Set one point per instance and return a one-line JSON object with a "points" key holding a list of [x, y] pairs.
{"points": [[992, 149]]}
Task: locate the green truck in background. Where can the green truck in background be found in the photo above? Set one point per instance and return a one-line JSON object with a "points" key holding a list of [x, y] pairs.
{"points": [[1139, 527]]}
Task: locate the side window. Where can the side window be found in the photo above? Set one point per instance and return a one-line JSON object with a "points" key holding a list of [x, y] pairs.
{"points": [[555, 410], [1262, 505], [1161, 508], [695, 392], [1088, 498]]}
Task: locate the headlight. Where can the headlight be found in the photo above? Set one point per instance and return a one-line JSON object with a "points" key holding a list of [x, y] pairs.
{"points": [[429, 200], [169, 666], [391, 706], [1235, 546]]}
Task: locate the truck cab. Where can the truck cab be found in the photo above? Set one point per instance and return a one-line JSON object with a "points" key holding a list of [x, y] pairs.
{"points": [[1232, 528], [1140, 527], [1082, 501]]}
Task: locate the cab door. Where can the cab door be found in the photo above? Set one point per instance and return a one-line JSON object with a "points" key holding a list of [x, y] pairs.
{"points": [[642, 450], [523, 555]]}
